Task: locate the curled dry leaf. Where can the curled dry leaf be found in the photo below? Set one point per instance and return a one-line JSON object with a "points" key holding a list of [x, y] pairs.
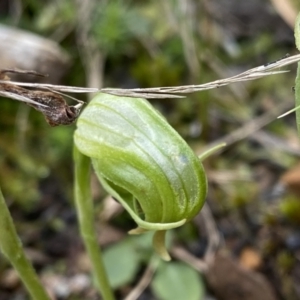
{"points": [[50, 103]]}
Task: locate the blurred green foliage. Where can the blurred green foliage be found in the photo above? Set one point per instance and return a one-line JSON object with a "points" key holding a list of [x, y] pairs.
{"points": [[143, 46], [115, 23]]}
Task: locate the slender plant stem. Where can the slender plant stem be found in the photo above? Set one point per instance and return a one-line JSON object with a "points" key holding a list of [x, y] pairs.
{"points": [[297, 98], [297, 81], [11, 247], [85, 211]]}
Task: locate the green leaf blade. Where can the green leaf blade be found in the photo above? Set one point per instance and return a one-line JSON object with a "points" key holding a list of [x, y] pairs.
{"points": [[177, 281], [122, 263]]}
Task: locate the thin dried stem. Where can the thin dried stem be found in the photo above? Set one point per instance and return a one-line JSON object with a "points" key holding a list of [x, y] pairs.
{"points": [[214, 237], [249, 127], [144, 281], [184, 255], [174, 91]]}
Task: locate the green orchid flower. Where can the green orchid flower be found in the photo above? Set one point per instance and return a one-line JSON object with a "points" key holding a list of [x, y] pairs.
{"points": [[142, 162]]}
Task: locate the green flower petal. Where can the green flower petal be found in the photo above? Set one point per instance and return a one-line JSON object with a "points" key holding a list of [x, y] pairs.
{"points": [[142, 161]]}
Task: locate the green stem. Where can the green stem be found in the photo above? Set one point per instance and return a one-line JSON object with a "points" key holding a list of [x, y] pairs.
{"points": [[211, 151], [297, 97], [11, 247], [85, 211], [297, 83]]}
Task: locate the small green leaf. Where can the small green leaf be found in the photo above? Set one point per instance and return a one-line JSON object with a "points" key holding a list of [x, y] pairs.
{"points": [[121, 262], [177, 281]]}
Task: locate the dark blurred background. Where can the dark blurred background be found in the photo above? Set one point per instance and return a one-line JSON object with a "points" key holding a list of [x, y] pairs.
{"points": [[253, 211]]}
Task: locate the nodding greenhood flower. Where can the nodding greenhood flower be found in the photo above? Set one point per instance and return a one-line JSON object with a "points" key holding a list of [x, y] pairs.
{"points": [[142, 162]]}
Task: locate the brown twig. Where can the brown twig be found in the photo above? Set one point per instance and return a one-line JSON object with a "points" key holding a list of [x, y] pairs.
{"points": [[249, 127], [144, 280], [182, 254]]}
